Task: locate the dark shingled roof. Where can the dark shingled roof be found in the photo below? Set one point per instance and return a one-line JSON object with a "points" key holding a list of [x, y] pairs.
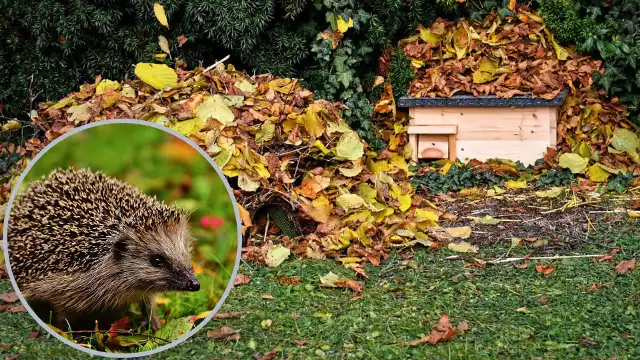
{"points": [[482, 101]]}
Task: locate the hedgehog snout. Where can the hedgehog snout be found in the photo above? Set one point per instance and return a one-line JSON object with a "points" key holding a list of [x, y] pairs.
{"points": [[188, 281]]}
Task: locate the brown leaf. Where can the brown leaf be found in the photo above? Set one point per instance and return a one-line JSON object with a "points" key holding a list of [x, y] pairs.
{"points": [[242, 279], [232, 315], [522, 266], [16, 309], [285, 280], [33, 334], [625, 266], [300, 342], [224, 333], [9, 297], [181, 40], [544, 269], [267, 297], [268, 356], [444, 331]]}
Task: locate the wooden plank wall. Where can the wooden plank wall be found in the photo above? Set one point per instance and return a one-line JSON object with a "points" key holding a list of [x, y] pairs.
{"points": [[511, 133]]}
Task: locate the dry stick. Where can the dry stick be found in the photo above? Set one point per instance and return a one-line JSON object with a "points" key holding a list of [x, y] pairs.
{"points": [[555, 257], [217, 63]]}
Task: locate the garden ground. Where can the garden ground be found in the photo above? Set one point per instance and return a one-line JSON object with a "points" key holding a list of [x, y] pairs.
{"points": [[583, 309]]}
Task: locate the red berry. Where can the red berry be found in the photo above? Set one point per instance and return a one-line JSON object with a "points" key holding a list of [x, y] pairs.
{"points": [[211, 222]]}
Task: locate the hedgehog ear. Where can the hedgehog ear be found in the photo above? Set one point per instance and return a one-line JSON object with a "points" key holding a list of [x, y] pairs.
{"points": [[120, 247]]}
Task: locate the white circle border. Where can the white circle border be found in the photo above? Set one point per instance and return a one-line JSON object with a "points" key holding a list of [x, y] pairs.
{"points": [[5, 242]]}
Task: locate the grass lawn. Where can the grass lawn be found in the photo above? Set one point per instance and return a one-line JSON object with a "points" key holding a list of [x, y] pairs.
{"points": [[582, 310]]}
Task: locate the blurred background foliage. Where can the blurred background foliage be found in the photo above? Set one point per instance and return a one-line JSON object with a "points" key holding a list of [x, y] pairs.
{"points": [[163, 165]]}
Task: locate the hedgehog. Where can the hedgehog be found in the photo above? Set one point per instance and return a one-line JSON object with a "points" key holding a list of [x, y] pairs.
{"points": [[86, 246]]}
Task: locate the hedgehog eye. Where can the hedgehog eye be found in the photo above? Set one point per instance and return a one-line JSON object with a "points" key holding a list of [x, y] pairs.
{"points": [[158, 260]]}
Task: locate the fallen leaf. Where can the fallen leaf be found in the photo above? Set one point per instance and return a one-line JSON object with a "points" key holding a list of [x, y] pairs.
{"points": [[276, 255], [17, 309], [241, 279], [224, 333], [462, 232], [522, 309], [573, 162], [182, 40], [9, 297], [625, 266], [158, 11], [267, 297], [462, 247], [444, 331], [158, 76], [349, 146], [164, 44], [232, 315], [551, 193], [544, 269]]}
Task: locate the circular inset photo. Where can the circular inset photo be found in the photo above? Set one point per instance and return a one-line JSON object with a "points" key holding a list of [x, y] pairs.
{"points": [[122, 238]]}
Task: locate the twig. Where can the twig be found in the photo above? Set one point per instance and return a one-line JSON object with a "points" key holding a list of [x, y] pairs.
{"points": [[217, 63], [555, 257], [266, 230]]}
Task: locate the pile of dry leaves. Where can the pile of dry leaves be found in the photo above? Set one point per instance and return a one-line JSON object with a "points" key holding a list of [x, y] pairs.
{"points": [[270, 136], [519, 56]]}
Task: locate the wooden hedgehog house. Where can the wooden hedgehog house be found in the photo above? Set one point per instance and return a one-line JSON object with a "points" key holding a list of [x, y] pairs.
{"points": [[467, 127]]}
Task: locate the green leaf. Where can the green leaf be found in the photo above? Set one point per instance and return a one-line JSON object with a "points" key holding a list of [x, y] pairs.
{"points": [[573, 162], [266, 132], [625, 140], [349, 146], [171, 331]]}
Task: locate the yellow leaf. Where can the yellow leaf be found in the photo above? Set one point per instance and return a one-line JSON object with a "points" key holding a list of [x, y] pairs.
{"points": [[319, 209], [422, 214], [487, 69], [512, 184], [597, 173], [164, 44], [625, 140], [158, 76], [158, 11], [11, 125], [499, 190], [106, 86], [223, 157], [584, 150], [247, 183], [349, 146], [430, 38], [161, 301], [574, 162], [461, 41], [350, 260], [343, 25], [462, 232], [214, 107], [276, 255], [321, 146], [350, 201], [561, 52], [266, 132], [486, 220], [245, 86], [189, 127], [284, 86], [312, 121], [79, 113], [417, 63], [551, 193], [462, 247], [350, 172]]}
